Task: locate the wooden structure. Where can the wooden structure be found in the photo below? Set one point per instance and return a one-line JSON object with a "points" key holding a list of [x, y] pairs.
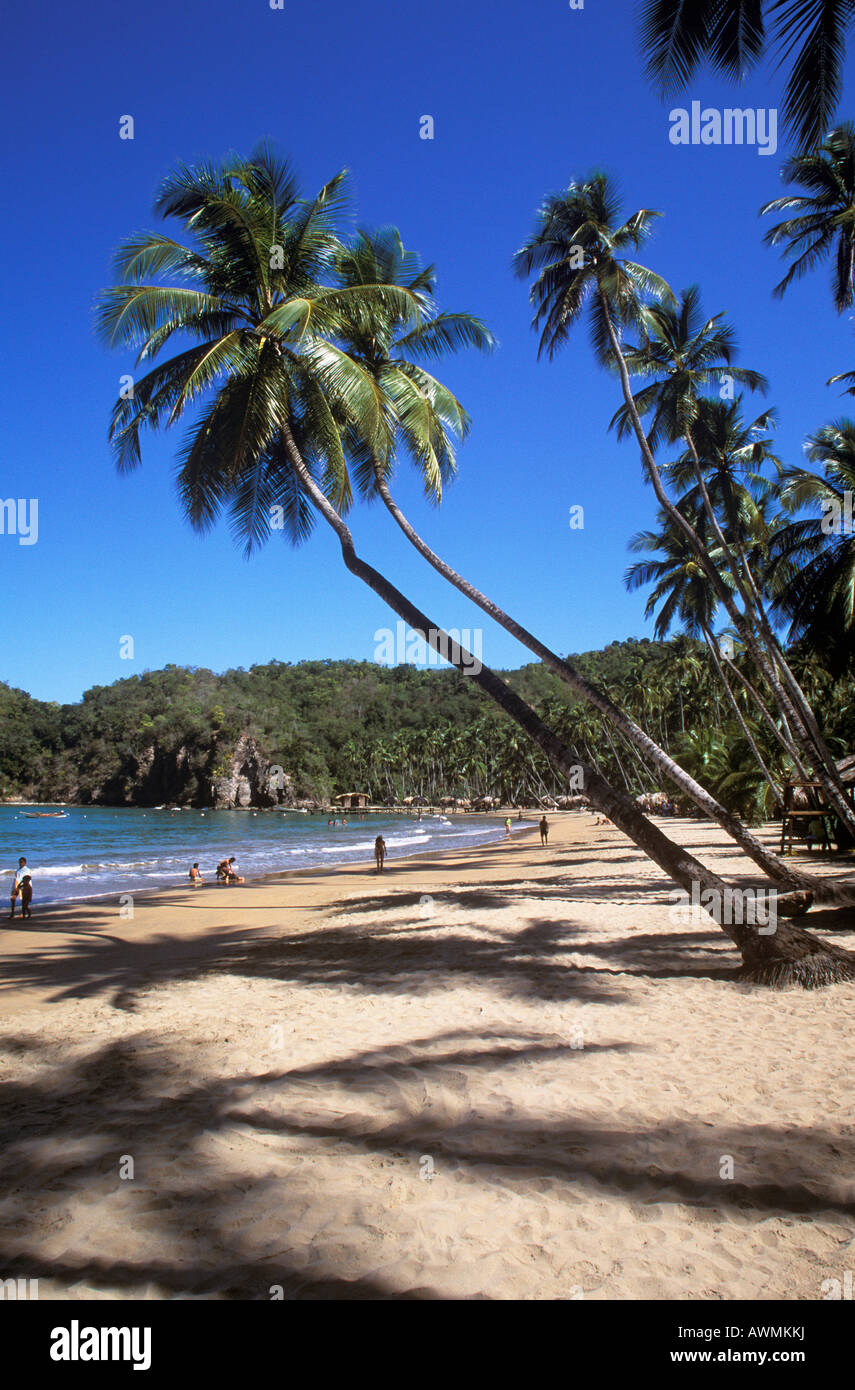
{"points": [[352, 801], [804, 804]]}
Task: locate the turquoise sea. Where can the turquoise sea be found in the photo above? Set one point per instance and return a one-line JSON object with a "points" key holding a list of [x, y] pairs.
{"points": [[101, 852]]}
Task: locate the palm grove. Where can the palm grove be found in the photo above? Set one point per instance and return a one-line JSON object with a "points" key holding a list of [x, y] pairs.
{"points": [[307, 371]]}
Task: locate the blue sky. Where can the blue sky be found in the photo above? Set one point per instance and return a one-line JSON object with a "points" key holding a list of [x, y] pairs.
{"points": [[523, 98]]}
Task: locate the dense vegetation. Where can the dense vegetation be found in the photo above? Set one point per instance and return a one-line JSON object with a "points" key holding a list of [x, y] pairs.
{"points": [[395, 732]]}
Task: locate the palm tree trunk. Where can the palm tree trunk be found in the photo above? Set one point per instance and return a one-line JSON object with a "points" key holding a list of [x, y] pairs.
{"points": [[742, 724], [756, 617], [837, 799], [617, 758], [788, 955], [786, 670], [764, 858], [783, 736]]}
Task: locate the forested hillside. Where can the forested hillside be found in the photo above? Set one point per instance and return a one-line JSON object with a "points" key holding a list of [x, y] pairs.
{"points": [[167, 736]]}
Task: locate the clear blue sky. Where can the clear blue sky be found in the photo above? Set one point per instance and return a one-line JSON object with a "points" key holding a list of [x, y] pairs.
{"points": [[523, 96]]}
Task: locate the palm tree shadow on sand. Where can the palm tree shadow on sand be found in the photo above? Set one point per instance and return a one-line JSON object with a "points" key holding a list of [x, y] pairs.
{"points": [[203, 1225]]}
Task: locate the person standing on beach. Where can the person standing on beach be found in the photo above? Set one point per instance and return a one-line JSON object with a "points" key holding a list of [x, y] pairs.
{"points": [[21, 873], [379, 852], [544, 831], [507, 827], [26, 895]]}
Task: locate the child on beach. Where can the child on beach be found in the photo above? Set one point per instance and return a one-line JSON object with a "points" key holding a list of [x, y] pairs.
{"points": [[379, 852], [507, 827], [195, 876], [26, 895], [544, 830]]}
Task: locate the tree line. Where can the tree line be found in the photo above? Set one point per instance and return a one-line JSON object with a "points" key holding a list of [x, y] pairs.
{"points": [[402, 732]]}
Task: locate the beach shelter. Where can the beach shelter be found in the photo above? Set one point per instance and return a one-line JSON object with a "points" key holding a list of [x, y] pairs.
{"points": [[352, 801]]}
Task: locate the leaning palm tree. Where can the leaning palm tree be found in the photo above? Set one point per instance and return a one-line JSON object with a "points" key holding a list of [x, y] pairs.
{"points": [[821, 220], [275, 394], [428, 417], [576, 254], [732, 453], [731, 35], [576, 257], [817, 588], [682, 355], [685, 355], [681, 594]]}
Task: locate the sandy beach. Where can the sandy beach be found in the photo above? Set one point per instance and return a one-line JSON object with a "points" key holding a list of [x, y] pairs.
{"points": [[502, 1073]]}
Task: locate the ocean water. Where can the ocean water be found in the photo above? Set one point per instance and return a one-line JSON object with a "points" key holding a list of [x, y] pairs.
{"points": [[102, 852]]}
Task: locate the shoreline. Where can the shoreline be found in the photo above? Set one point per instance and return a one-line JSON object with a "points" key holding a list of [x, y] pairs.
{"points": [[359, 866], [207, 914]]}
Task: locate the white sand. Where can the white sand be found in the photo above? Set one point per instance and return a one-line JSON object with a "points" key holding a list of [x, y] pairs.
{"points": [[288, 1063]]}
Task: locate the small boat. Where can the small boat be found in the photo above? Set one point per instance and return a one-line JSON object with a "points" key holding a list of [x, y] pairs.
{"points": [[45, 815]]}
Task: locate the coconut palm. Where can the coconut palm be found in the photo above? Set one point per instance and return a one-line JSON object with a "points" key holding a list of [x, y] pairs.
{"points": [[821, 220], [576, 255], [682, 594], [281, 395], [685, 354], [817, 592], [732, 451], [731, 35], [681, 591], [430, 416]]}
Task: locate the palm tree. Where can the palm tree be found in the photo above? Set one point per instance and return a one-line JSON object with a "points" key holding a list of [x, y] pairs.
{"points": [[731, 452], [681, 591], [576, 254], [822, 219], [676, 38], [684, 594], [281, 396], [817, 592], [684, 355], [429, 416]]}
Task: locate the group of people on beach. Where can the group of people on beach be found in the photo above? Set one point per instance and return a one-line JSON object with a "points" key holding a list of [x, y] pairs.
{"points": [[226, 873], [22, 887]]}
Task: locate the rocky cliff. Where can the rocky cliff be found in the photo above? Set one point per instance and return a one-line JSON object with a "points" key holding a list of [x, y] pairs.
{"points": [[251, 780]]}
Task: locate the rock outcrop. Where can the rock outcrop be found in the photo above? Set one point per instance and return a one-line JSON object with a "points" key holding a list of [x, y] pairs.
{"points": [[252, 780]]}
